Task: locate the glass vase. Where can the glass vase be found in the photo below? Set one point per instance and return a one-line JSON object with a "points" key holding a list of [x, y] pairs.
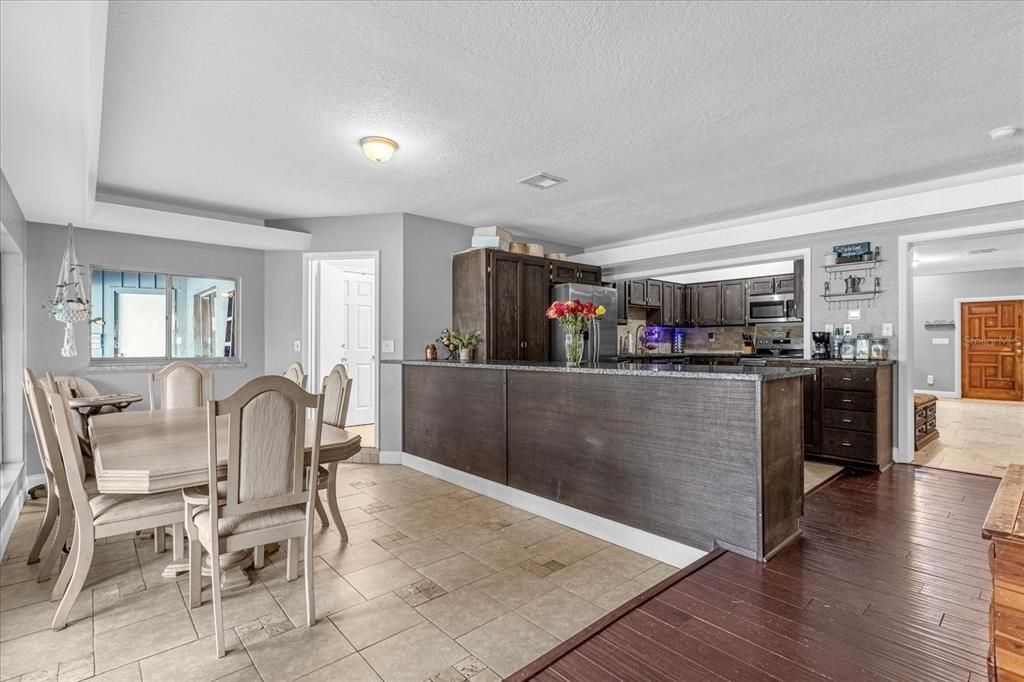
{"points": [[573, 348]]}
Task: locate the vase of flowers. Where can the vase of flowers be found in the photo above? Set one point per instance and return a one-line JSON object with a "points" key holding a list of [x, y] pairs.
{"points": [[466, 343], [575, 317]]}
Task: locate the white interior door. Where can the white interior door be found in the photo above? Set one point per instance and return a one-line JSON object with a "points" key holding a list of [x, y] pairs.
{"points": [[345, 330], [358, 345]]}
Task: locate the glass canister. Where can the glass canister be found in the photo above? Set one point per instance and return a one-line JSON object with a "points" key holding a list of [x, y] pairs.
{"points": [[678, 340], [862, 347], [847, 348], [879, 349]]}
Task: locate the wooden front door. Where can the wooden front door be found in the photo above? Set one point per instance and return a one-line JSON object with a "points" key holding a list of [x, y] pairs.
{"points": [[991, 337]]}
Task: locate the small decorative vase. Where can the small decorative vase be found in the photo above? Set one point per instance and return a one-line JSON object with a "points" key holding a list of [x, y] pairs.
{"points": [[573, 348], [465, 355], [830, 258]]}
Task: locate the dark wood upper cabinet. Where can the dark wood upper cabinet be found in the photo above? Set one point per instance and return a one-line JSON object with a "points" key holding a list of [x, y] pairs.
{"points": [[784, 284], [637, 292], [621, 300], [690, 305], [589, 274], [667, 313], [563, 272], [761, 285], [655, 290], [709, 302], [798, 288], [504, 296], [534, 298], [679, 291], [734, 302]]}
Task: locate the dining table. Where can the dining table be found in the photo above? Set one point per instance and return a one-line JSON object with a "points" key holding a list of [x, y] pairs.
{"points": [[152, 451]]}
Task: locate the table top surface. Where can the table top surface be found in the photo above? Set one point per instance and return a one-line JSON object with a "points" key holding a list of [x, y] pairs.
{"points": [[1006, 514], [109, 399], [147, 451]]}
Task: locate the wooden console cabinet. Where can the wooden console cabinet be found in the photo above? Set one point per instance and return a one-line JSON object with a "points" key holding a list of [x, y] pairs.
{"points": [[1004, 525]]}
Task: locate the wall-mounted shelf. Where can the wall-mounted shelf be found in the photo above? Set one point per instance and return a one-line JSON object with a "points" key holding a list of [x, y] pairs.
{"points": [[940, 324], [856, 265], [853, 295]]}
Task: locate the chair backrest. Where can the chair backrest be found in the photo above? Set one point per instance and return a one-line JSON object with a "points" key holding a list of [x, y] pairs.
{"points": [[266, 447], [46, 437], [296, 373], [182, 384], [75, 387], [68, 469], [43, 425], [337, 388]]}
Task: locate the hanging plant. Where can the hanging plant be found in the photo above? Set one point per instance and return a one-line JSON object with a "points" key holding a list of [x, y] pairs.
{"points": [[70, 303]]}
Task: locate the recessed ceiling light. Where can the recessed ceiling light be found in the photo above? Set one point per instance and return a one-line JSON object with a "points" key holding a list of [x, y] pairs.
{"points": [[379, 149], [542, 181], [978, 252], [1003, 133]]}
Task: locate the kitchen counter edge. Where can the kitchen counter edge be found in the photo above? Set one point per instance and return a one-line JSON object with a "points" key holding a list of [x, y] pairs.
{"points": [[733, 373]]}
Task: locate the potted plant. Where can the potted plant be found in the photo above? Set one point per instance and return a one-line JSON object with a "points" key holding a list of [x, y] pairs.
{"points": [[466, 343], [575, 317]]}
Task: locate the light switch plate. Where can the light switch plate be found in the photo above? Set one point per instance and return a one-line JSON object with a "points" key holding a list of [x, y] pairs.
{"points": [[940, 341], [387, 346], [297, 345], [853, 314], [887, 329]]}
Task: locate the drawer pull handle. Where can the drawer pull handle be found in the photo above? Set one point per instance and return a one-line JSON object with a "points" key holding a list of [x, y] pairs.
{"points": [[847, 400], [847, 378], [846, 445], [847, 421]]}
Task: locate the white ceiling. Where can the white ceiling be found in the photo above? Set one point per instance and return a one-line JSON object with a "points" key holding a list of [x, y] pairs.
{"points": [[951, 255], [661, 115]]}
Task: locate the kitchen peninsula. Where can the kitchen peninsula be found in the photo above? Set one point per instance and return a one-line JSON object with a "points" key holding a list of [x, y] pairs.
{"points": [[703, 456]]}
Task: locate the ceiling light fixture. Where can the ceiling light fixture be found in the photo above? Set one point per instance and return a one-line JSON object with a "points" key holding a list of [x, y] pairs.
{"points": [[542, 181], [1003, 133], [979, 252], [379, 149]]}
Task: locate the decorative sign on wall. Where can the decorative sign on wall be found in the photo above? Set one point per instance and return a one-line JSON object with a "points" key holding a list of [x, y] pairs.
{"points": [[849, 253]]}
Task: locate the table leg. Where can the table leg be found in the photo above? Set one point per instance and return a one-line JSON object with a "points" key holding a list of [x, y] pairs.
{"points": [[179, 562], [332, 500]]}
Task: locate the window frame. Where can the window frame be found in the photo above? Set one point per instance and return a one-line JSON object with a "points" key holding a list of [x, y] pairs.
{"points": [[157, 362]]}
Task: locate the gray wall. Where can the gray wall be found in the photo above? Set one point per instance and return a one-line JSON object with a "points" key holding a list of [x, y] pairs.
{"points": [[11, 215], [933, 300], [131, 252]]}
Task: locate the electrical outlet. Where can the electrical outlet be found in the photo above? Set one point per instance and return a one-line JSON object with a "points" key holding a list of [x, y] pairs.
{"points": [[853, 314], [931, 379], [847, 330], [887, 329], [297, 345], [387, 346]]}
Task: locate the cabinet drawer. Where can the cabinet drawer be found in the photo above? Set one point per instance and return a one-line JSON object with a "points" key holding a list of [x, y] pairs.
{"points": [[924, 414], [849, 419], [849, 400], [848, 378], [849, 444]]}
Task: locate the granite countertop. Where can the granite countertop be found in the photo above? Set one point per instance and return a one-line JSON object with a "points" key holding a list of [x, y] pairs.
{"points": [[685, 354], [734, 373], [832, 363]]}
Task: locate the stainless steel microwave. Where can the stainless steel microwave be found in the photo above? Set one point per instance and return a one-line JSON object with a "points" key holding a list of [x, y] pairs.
{"points": [[771, 308]]}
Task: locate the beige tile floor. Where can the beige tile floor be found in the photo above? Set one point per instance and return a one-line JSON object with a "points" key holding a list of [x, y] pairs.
{"points": [[437, 583], [815, 473], [976, 436]]}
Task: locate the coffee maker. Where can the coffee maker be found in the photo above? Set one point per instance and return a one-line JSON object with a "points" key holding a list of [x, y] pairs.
{"points": [[821, 348]]}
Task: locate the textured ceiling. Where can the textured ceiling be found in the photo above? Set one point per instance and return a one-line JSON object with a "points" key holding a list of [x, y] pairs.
{"points": [[951, 255], [661, 116]]}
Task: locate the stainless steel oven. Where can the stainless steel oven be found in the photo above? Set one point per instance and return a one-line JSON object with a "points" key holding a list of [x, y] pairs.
{"points": [[771, 308]]}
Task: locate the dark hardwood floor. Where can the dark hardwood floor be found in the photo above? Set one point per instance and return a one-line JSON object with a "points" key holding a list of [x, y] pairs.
{"points": [[890, 581]]}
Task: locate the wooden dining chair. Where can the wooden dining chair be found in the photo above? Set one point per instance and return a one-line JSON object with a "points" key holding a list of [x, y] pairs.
{"points": [[47, 447], [97, 515], [268, 496], [77, 387], [336, 388], [296, 373], [180, 384]]}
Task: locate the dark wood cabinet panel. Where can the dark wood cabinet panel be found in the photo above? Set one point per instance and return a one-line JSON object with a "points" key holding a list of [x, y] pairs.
{"points": [[848, 378], [784, 284], [847, 400], [848, 419], [503, 342], [709, 304], [679, 291], [534, 327], [637, 292], [812, 412], [690, 302], [762, 285], [856, 445], [470, 438], [798, 288], [667, 314], [589, 274], [654, 292], [563, 272], [734, 302], [621, 300]]}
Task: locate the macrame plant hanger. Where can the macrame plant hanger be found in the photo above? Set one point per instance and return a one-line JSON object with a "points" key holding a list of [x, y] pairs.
{"points": [[70, 303]]}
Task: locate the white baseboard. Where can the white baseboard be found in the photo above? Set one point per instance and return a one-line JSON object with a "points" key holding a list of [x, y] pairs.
{"points": [[35, 479], [648, 544], [10, 509], [938, 394]]}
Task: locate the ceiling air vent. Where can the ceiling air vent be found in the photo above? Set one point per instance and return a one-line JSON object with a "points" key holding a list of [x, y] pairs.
{"points": [[978, 252], [542, 181]]}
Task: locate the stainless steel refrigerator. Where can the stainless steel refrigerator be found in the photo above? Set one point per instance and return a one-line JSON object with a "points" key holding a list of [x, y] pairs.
{"points": [[600, 340]]}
